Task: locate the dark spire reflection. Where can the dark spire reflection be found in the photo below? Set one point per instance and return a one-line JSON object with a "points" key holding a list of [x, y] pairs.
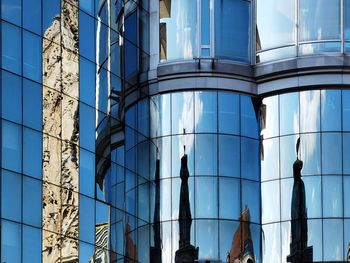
{"points": [[299, 251]]}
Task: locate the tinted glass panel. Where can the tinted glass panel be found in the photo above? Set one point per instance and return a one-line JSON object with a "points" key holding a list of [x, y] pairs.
{"points": [[289, 112], [11, 97], [32, 153], [228, 107], [32, 15], [31, 245], [331, 153], [206, 197], [333, 239], [11, 196], [206, 154], [32, 56], [11, 48], [32, 196], [310, 111], [270, 159], [332, 196], [10, 242], [11, 11], [182, 112], [249, 118], [270, 126], [86, 36], [32, 104], [229, 156], [229, 198], [250, 161], [11, 146], [330, 110], [270, 196], [205, 111]]}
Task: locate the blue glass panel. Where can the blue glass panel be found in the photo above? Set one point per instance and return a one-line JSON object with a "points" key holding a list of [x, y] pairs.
{"points": [[11, 11], [182, 112], [32, 60], [332, 196], [176, 185], [11, 48], [143, 117], [131, 63], [101, 213], [270, 199], [86, 36], [32, 153], [331, 153], [11, 146], [87, 127], [227, 231], [31, 245], [11, 196], [165, 197], [205, 22], [289, 113], [32, 197], [160, 115], [11, 97], [332, 240], [86, 219], [32, 15], [228, 107], [229, 156], [10, 242], [205, 111], [313, 194], [346, 238], [251, 193], [206, 154], [207, 238], [86, 251], [286, 198], [310, 153], [272, 243], [87, 81], [271, 117], [229, 198], [310, 111], [32, 104], [346, 185], [232, 30], [330, 110], [315, 238], [319, 48], [51, 10], [346, 110], [178, 151], [270, 159], [87, 173], [249, 118], [250, 159], [288, 154], [206, 197], [87, 6], [276, 54]]}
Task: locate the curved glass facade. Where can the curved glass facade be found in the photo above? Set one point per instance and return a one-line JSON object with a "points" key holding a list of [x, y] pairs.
{"points": [[205, 28], [316, 204], [301, 27]]}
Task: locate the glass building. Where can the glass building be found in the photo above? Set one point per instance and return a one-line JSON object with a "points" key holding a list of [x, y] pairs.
{"points": [[175, 131]]}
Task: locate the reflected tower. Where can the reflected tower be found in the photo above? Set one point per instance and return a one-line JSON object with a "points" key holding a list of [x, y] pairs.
{"points": [[299, 251]]}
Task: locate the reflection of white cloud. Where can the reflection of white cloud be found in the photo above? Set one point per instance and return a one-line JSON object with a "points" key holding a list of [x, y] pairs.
{"points": [[188, 53]]}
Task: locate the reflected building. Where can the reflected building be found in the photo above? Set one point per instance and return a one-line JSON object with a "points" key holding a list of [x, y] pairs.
{"points": [[96, 96]]}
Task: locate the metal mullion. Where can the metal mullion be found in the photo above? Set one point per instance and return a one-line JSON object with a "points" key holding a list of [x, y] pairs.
{"points": [[342, 48], [296, 26], [211, 29], [199, 27]]}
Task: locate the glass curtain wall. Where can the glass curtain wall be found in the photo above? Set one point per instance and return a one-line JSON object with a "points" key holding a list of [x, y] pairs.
{"points": [[304, 176]]}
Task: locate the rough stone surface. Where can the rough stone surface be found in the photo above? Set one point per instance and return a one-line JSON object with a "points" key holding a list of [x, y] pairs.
{"points": [[61, 137]]}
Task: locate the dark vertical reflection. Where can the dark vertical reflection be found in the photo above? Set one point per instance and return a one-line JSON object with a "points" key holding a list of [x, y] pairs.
{"points": [[186, 252], [299, 251], [242, 249], [156, 250]]}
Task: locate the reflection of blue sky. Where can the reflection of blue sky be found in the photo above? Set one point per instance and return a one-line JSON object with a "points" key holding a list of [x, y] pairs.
{"points": [[332, 239], [181, 30], [271, 243]]}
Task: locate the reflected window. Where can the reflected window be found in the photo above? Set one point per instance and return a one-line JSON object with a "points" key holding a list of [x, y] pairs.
{"points": [[289, 112], [270, 198], [228, 113], [206, 197], [205, 111], [331, 153], [330, 110], [206, 154], [229, 156], [11, 48]]}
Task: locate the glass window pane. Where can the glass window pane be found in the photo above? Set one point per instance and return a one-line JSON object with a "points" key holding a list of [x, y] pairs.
{"points": [[285, 239], [165, 197], [32, 197], [143, 118], [11, 196], [164, 151], [250, 159], [272, 243], [205, 111], [229, 198], [206, 155], [86, 219], [87, 127], [286, 198], [346, 109], [86, 251], [178, 40], [176, 189], [346, 19], [229, 157], [51, 9], [289, 112], [310, 111], [332, 240], [228, 114], [331, 153], [182, 112], [330, 110], [275, 23], [310, 153], [87, 6], [270, 198], [232, 29], [32, 153], [346, 182], [160, 115], [87, 73], [346, 153], [206, 197], [251, 193], [31, 248], [32, 104], [270, 159], [32, 60], [249, 118], [32, 15], [10, 242], [11, 146], [315, 238], [319, 19], [270, 117], [87, 173], [177, 148], [11, 48], [205, 22], [228, 232], [332, 196], [11, 11], [207, 238], [346, 239], [86, 36], [313, 196], [288, 155], [11, 97]]}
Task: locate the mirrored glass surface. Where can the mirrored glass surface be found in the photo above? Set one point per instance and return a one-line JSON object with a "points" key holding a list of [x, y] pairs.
{"points": [[332, 196], [310, 111], [205, 111], [182, 110], [286, 198], [228, 231], [206, 154], [285, 240], [11, 196], [331, 153], [87, 127], [86, 36], [228, 113], [313, 196], [346, 109], [32, 15], [229, 198], [346, 152], [11, 47], [10, 242], [289, 113], [160, 115], [346, 238], [207, 238], [86, 219], [178, 151], [270, 201], [251, 193], [11, 97], [270, 117], [11, 11], [32, 201], [87, 73], [330, 110], [271, 241], [165, 197], [319, 19], [164, 156], [31, 244], [32, 153], [87, 173], [310, 153], [270, 159], [249, 117], [332, 239], [206, 197], [32, 60], [229, 156], [346, 185], [32, 104], [86, 251], [51, 11], [175, 197], [250, 159], [288, 155], [275, 23], [11, 146]]}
